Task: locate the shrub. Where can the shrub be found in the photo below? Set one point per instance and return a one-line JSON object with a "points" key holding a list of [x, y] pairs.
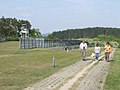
{"points": [[11, 38]]}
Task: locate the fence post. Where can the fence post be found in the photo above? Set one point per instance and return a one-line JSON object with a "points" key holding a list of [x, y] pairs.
{"points": [[24, 42], [20, 43], [53, 61]]}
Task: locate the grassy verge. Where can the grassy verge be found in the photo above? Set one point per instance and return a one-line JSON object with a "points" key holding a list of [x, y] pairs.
{"points": [[20, 68], [113, 78]]}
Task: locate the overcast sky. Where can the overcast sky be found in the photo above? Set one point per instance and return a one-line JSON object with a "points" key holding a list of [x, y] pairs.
{"points": [[55, 15]]}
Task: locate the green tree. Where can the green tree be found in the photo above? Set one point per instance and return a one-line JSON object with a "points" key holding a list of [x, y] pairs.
{"points": [[35, 33], [50, 36], [11, 27], [86, 33]]}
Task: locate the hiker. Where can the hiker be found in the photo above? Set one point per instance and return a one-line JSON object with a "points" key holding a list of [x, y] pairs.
{"points": [[83, 48], [97, 51], [107, 51]]}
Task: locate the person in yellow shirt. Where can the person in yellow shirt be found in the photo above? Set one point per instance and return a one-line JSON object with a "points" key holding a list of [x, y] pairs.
{"points": [[108, 50]]}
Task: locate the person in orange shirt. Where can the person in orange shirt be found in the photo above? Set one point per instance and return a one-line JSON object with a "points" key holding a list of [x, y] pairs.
{"points": [[108, 50]]}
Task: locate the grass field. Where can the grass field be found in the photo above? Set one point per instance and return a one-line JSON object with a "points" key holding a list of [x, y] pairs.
{"points": [[113, 78], [20, 68]]}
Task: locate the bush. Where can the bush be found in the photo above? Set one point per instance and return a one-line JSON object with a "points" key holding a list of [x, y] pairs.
{"points": [[91, 44], [119, 45], [11, 38]]}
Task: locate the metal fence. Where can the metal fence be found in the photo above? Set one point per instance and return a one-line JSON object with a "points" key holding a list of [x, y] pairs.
{"points": [[39, 43], [26, 43]]}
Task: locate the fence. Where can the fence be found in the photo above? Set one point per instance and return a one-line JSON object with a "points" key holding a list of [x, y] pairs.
{"points": [[40, 43], [45, 43]]}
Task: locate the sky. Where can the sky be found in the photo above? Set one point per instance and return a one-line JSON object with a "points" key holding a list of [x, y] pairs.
{"points": [[57, 15]]}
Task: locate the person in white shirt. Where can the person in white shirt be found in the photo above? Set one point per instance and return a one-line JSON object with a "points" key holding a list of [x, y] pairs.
{"points": [[97, 51], [83, 48]]}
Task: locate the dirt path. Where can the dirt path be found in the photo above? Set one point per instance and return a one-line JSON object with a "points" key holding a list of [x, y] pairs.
{"points": [[60, 78], [96, 77], [92, 72], [76, 77]]}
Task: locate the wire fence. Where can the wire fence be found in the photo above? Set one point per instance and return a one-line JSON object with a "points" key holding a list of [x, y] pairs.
{"points": [[26, 43]]}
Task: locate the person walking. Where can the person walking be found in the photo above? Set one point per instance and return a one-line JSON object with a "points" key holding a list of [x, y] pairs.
{"points": [[97, 51], [83, 48], [108, 50]]}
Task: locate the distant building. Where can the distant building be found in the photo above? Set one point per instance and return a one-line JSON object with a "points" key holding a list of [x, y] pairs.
{"points": [[24, 31]]}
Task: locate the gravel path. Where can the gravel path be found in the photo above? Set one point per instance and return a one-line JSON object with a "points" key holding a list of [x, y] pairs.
{"points": [[65, 78]]}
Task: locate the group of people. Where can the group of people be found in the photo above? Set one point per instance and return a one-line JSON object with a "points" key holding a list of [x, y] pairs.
{"points": [[97, 50]]}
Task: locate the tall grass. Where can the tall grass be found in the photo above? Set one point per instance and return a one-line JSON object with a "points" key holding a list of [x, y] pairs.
{"points": [[113, 78]]}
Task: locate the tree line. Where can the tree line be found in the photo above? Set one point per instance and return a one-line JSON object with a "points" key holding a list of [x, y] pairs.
{"points": [[10, 28], [86, 33]]}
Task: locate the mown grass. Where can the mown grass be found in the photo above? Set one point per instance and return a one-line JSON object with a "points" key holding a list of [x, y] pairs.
{"points": [[113, 78], [20, 68]]}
